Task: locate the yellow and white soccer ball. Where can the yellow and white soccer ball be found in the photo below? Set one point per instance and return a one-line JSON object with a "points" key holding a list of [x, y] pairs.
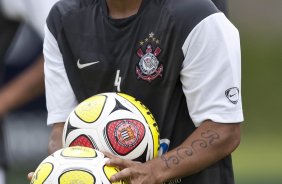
{"points": [[116, 123], [74, 165]]}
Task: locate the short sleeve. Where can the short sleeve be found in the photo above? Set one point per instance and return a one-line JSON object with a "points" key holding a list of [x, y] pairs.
{"points": [[60, 97], [211, 73]]}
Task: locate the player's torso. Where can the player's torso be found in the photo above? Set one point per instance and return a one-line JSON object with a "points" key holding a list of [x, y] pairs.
{"points": [[135, 55], [141, 56]]}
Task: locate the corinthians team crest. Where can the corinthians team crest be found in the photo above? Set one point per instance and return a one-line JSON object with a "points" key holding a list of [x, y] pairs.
{"points": [[149, 68]]}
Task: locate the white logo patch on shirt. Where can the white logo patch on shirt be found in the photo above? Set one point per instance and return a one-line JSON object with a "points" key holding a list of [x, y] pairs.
{"points": [[232, 94]]}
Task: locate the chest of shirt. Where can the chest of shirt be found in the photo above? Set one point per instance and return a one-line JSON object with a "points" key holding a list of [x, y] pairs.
{"points": [[145, 47]]}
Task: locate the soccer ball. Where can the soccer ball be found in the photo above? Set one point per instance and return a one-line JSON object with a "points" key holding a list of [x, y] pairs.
{"points": [[116, 123], [74, 165]]}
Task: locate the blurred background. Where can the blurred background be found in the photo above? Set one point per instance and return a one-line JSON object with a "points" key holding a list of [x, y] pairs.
{"points": [[258, 159]]}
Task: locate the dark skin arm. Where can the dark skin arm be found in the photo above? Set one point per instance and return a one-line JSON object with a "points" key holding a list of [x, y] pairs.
{"points": [[55, 139], [25, 87], [208, 143]]}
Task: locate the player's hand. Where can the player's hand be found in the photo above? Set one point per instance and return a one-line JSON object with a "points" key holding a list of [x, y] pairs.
{"points": [[29, 176], [132, 171]]}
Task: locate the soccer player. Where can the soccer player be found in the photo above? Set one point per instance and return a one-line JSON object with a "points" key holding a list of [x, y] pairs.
{"points": [[180, 58]]}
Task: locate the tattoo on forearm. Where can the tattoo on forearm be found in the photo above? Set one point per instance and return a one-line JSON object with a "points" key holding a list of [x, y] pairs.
{"points": [[171, 160], [210, 135], [207, 138], [184, 151]]}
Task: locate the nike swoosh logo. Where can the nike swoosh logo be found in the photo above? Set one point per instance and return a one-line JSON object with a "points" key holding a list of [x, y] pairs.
{"points": [[232, 95], [80, 65]]}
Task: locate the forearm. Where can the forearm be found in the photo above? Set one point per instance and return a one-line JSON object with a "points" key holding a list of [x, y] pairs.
{"points": [[23, 88], [55, 139], [208, 144]]}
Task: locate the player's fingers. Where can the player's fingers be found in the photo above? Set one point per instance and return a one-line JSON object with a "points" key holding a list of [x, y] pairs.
{"points": [[29, 175], [125, 174], [117, 162]]}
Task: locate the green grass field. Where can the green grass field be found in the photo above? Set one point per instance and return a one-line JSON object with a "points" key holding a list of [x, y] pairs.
{"points": [[258, 160]]}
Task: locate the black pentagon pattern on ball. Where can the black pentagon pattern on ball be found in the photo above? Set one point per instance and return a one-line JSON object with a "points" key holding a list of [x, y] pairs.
{"points": [[119, 106], [69, 129]]}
